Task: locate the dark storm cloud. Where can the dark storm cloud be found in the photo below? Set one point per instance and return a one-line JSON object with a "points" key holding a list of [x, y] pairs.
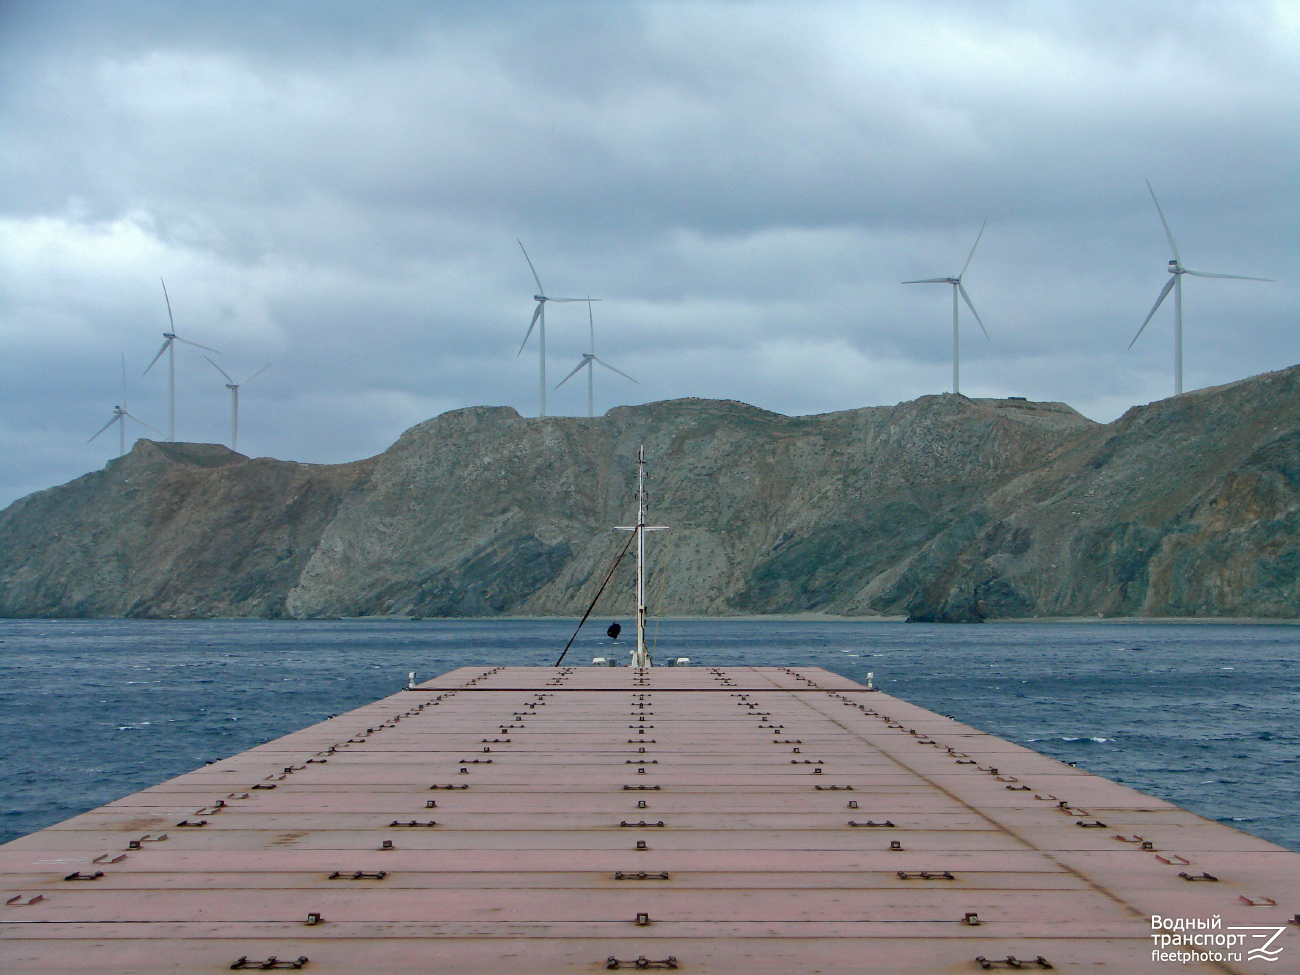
{"points": [[338, 189]]}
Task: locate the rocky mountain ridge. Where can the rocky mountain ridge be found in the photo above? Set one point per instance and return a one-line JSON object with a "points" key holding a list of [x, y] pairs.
{"points": [[942, 508]]}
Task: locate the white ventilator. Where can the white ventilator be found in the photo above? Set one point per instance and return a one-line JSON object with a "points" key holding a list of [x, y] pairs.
{"points": [[641, 655], [120, 416], [959, 289], [589, 362], [539, 320], [1175, 284], [169, 346], [234, 398]]}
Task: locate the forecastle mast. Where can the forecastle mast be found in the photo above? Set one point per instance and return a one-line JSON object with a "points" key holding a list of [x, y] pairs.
{"points": [[641, 655]]}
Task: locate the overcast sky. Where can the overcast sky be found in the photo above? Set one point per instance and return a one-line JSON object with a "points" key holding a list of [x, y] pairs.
{"points": [[336, 189]]}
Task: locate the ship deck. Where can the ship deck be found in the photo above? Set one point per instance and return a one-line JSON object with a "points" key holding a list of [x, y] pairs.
{"points": [[736, 819]]}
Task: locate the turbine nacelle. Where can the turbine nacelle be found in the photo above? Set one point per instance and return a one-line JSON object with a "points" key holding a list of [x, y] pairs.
{"points": [[589, 362], [234, 397], [170, 338], [1175, 284], [120, 416], [539, 319], [959, 290]]}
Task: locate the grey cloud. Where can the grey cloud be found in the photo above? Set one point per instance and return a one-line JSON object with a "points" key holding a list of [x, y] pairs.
{"points": [[338, 189]]}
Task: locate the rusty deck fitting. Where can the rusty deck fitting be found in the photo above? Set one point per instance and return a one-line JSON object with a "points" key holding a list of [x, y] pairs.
{"points": [[749, 864]]}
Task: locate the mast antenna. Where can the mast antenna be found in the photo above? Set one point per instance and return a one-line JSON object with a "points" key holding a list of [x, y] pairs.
{"points": [[641, 655]]}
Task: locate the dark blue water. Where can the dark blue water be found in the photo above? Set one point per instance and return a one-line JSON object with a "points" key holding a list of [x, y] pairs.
{"points": [[1202, 715]]}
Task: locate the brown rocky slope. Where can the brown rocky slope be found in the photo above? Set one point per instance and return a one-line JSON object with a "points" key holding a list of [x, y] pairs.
{"points": [[941, 508]]}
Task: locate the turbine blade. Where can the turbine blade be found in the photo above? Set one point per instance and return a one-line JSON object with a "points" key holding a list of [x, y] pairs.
{"points": [[929, 281], [972, 252], [536, 315], [540, 289], [573, 299], [166, 342], [142, 423], [966, 298], [197, 345], [1235, 277], [614, 369], [220, 370], [256, 374], [116, 417], [1168, 233], [167, 298], [585, 362], [1164, 293]]}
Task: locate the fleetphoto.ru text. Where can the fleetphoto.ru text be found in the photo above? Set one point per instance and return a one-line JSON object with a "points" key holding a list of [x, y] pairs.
{"points": [[1191, 939]]}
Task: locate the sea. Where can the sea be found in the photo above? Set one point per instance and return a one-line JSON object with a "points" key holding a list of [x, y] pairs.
{"points": [[1204, 715]]}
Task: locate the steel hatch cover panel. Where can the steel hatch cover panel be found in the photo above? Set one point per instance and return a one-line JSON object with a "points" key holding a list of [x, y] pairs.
{"points": [[756, 868]]}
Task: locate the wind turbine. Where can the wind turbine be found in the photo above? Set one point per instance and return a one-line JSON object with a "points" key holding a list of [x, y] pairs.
{"points": [[120, 416], [1175, 284], [587, 359], [234, 397], [956, 289], [539, 315], [169, 346]]}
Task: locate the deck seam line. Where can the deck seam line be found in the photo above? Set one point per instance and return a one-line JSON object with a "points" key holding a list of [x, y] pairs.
{"points": [[1006, 829]]}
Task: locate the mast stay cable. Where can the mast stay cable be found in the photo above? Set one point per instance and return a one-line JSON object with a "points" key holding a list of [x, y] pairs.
{"points": [[609, 576]]}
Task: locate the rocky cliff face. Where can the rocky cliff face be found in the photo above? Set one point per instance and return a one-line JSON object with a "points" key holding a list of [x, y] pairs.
{"points": [[481, 511], [1186, 507], [941, 508], [169, 530]]}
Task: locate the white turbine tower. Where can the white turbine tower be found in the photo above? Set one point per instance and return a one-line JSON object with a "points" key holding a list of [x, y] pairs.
{"points": [[958, 288], [120, 416], [234, 398], [169, 346], [539, 316], [587, 359], [1175, 284]]}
